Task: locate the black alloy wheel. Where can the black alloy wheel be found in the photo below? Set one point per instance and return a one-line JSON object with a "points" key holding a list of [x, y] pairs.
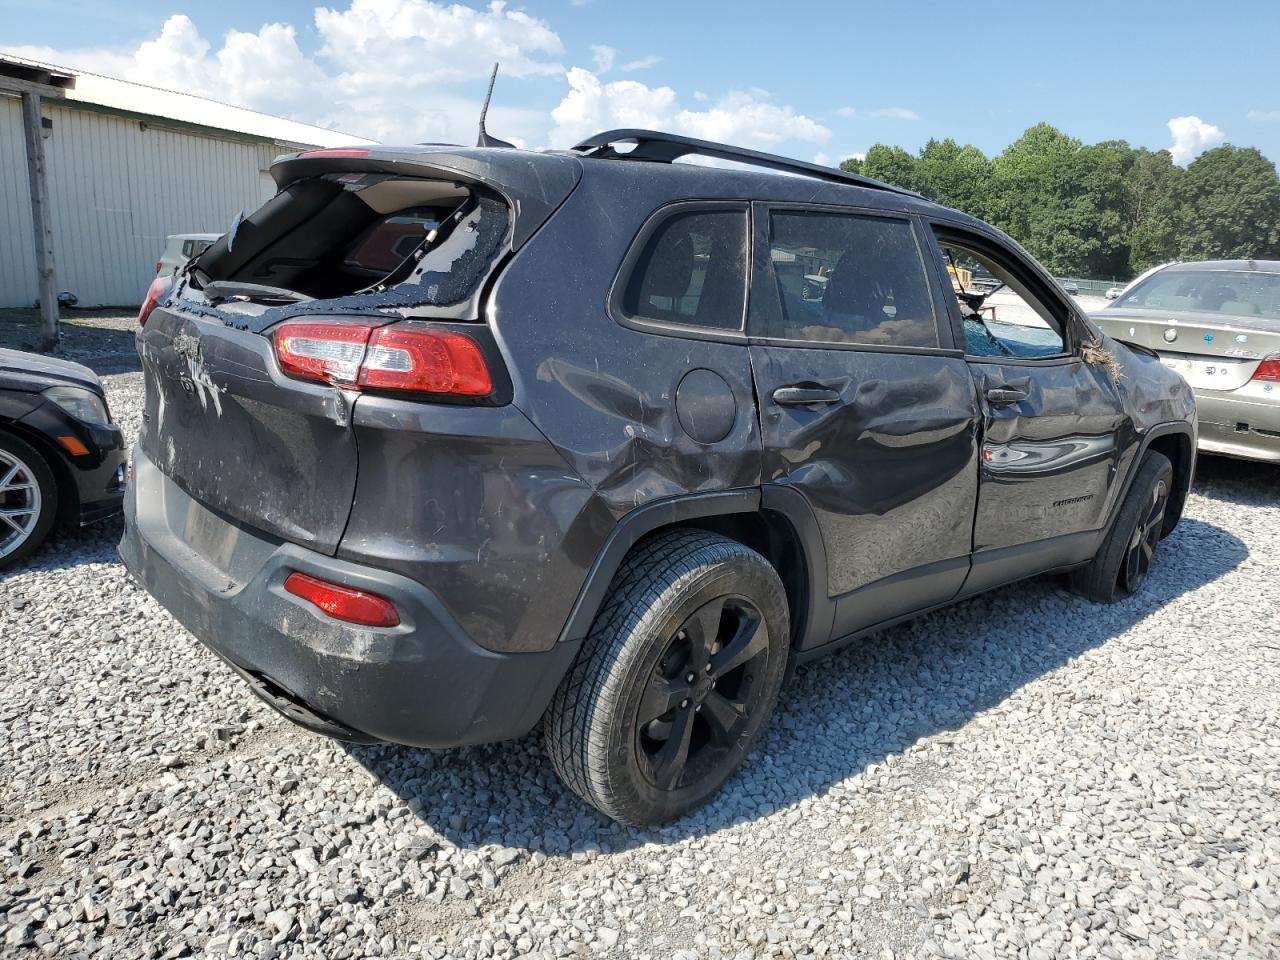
{"points": [[1146, 536], [676, 679], [703, 692]]}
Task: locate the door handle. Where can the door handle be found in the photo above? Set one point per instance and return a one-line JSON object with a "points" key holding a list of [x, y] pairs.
{"points": [[803, 396], [1006, 395]]}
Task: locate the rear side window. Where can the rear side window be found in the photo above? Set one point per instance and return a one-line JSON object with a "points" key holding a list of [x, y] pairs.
{"points": [[691, 270], [846, 278]]}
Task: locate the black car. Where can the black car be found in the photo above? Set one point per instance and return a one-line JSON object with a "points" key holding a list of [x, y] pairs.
{"points": [[592, 447], [61, 457]]}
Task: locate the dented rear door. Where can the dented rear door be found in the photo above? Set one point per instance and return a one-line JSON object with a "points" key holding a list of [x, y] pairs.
{"points": [[233, 432]]}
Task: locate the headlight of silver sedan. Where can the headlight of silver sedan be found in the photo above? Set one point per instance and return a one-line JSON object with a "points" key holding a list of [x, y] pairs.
{"points": [[80, 403]]}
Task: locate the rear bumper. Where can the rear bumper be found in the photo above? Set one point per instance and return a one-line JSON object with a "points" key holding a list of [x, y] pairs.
{"points": [[423, 683], [1239, 427]]}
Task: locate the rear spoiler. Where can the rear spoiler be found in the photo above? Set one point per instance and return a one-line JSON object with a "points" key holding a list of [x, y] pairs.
{"points": [[533, 184]]}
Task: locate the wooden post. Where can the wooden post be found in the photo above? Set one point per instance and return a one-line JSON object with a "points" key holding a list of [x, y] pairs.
{"points": [[40, 220]]}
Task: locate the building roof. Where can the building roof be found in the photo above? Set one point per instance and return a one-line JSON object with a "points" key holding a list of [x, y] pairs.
{"points": [[137, 98]]}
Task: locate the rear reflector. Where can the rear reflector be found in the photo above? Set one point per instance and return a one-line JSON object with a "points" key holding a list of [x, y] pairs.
{"points": [[155, 293], [344, 603], [394, 357], [1269, 370]]}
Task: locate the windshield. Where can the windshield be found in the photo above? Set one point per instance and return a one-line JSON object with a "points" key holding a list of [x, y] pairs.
{"points": [[1227, 293]]}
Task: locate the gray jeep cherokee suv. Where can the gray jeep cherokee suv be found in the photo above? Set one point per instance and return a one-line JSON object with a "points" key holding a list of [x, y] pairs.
{"points": [[444, 441]]}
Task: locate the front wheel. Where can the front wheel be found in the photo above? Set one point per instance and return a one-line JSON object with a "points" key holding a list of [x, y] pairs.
{"points": [[1123, 561], [28, 499], [678, 675]]}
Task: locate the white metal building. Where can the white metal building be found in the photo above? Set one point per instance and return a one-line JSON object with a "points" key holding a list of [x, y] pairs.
{"points": [[127, 165]]}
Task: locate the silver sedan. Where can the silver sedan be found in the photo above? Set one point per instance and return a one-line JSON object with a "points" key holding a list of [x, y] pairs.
{"points": [[1218, 324]]}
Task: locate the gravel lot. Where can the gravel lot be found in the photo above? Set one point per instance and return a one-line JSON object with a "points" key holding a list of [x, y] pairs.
{"points": [[1024, 775]]}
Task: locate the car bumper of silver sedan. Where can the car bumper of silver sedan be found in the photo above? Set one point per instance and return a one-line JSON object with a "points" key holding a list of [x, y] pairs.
{"points": [[1247, 427]]}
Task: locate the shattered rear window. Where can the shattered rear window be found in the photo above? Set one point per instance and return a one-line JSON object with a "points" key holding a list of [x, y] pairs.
{"points": [[447, 274], [355, 244]]}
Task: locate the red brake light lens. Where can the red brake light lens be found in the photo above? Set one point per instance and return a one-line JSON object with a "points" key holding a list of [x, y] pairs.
{"points": [[399, 358], [344, 603], [329, 352], [1268, 370], [155, 293], [393, 357]]}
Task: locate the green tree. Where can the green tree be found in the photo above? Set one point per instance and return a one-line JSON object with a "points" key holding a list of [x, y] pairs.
{"points": [[955, 176], [1230, 206], [1062, 200], [1100, 210], [851, 165], [1153, 208], [890, 164]]}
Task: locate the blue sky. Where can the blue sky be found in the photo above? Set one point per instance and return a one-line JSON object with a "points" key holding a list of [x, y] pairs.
{"points": [[814, 79]]}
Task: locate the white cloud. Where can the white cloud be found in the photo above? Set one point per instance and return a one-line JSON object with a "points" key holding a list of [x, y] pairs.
{"points": [[1264, 116], [895, 113], [738, 117], [1192, 137], [603, 57], [847, 112], [410, 39], [387, 69], [414, 70], [640, 63]]}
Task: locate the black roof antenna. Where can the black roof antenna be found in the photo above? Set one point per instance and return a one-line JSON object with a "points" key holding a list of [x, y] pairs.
{"points": [[484, 140]]}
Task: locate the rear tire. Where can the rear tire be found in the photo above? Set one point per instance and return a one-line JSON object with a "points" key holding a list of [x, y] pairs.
{"points": [[1121, 565], [675, 681], [28, 499]]}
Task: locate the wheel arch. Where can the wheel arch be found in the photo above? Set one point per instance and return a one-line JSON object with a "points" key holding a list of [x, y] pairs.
{"points": [[773, 520], [1175, 441]]}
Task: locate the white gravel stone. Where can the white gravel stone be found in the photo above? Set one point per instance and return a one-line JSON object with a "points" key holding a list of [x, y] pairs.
{"points": [[1025, 774]]}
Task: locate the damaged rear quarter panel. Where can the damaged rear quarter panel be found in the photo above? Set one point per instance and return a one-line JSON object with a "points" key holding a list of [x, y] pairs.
{"points": [[604, 393], [474, 504]]}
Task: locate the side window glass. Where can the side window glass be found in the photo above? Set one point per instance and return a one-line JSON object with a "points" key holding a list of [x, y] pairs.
{"points": [[188, 248], [1002, 318], [843, 278], [692, 271]]}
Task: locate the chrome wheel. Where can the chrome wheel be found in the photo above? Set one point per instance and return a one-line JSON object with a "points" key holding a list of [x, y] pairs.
{"points": [[703, 693], [1146, 535], [20, 502]]}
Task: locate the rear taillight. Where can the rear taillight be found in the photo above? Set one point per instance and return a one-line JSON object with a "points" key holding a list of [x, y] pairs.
{"points": [[155, 293], [330, 352], [159, 264], [344, 603], [1269, 370], [395, 357], [402, 359]]}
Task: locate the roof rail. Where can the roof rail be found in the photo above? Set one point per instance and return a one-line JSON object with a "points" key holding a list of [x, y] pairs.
{"points": [[653, 146]]}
